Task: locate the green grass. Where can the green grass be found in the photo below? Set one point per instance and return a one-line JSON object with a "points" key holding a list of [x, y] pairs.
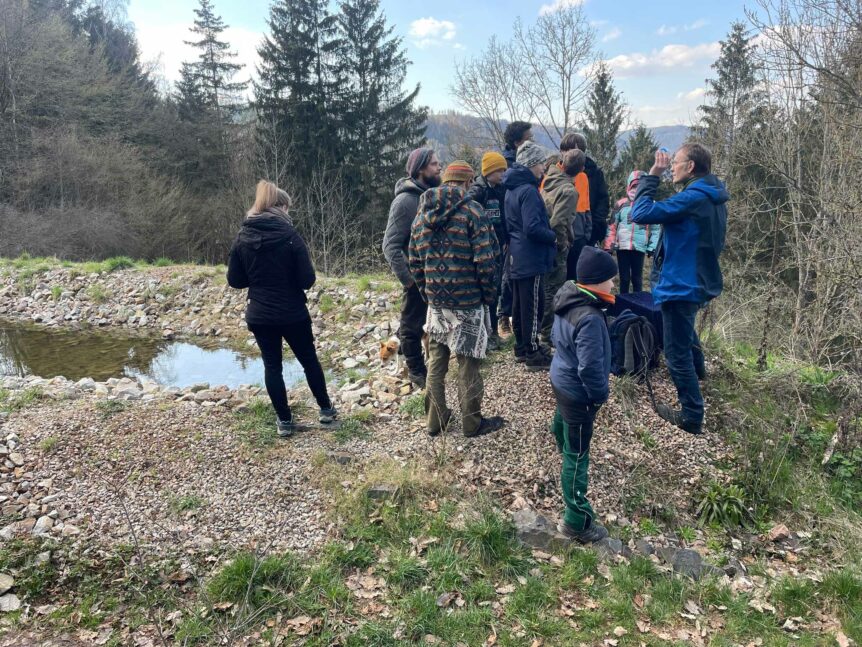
{"points": [[326, 303], [56, 291], [49, 445], [117, 263], [352, 426], [97, 293], [162, 262], [17, 400], [185, 503], [109, 408], [414, 406], [363, 283]]}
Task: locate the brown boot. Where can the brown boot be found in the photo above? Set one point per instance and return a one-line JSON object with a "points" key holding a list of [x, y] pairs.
{"points": [[505, 326]]}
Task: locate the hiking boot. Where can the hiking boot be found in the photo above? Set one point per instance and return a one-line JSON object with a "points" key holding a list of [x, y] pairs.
{"points": [[418, 379], [520, 358], [676, 418], [505, 325], [590, 535], [328, 416], [445, 419], [487, 426], [494, 342], [539, 361], [285, 428]]}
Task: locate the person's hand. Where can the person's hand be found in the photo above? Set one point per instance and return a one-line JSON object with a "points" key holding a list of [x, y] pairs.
{"points": [[661, 164]]}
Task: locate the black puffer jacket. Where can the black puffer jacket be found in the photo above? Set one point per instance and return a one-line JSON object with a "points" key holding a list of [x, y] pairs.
{"points": [[270, 258], [600, 204]]}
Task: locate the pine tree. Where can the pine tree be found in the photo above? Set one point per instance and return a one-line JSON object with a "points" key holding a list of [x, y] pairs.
{"points": [[735, 99], [605, 113], [381, 119], [299, 96], [213, 71], [638, 153]]}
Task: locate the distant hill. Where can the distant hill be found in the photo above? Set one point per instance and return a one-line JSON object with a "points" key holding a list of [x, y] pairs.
{"points": [[449, 131]]}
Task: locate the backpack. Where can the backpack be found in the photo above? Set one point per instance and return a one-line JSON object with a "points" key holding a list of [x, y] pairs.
{"points": [[633, 345]]}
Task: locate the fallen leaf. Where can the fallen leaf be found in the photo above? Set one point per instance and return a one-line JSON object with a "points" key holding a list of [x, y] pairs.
{"points": [[639, 601], [843, 641], [691, 607], [778, 533], [605, 571], [445, 600], [619, 632], [642, 626], [506, 589]]}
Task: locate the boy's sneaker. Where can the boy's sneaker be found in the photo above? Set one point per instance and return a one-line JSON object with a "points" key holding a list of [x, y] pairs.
{"points": [[539, 361], [676, 418], [520, 358], [328, 416], [418, 379], [593, 533], [494, 342], [505, 325], [285, 428]]}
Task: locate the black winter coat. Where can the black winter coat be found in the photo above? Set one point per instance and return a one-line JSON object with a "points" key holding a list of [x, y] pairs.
{"points": [[270, 258], [600, 203], [493, 200]]}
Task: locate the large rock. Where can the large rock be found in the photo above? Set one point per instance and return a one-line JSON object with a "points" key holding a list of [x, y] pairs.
{"points": [[538, 531], [9, 602], [6, 582], [689, 563]]}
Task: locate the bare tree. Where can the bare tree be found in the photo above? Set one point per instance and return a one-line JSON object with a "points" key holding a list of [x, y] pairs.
{"points": [[543, 74]]}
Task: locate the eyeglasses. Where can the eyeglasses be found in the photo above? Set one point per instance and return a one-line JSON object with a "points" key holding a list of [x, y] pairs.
{"points": [[679, 161]]}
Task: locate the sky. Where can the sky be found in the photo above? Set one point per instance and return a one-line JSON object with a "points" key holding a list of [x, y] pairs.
{"points": [[660, 51]]}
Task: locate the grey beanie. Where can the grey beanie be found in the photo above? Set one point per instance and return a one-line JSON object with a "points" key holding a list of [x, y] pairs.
{"points": [[530, 153]]}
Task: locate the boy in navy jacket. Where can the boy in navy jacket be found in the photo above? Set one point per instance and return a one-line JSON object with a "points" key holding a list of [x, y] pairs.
{"points": [[579, 377]]}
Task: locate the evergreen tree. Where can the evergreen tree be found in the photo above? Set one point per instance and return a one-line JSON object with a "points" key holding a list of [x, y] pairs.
{"points": [[638, 153], [605, 113], [298, 99], [213, 72], [381, 120], [735, 99]]}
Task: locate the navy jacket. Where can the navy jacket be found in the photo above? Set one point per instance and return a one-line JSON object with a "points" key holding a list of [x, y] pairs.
{"points": [[694, 223], [492, 199], [509, 155], [582, 361], [270, 258], [532, 242]]}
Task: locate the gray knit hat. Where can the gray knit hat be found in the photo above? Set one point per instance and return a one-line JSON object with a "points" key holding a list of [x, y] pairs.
{"points": [[530, 154]]}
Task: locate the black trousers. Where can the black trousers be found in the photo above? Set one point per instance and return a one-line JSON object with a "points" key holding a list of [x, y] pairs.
{"points": [[301, 341], [631, 264], [413, 313], [528, 307], [572, 260]]}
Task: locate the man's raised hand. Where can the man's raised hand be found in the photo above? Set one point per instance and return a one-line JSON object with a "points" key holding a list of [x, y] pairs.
{"points": [[661, 164]]}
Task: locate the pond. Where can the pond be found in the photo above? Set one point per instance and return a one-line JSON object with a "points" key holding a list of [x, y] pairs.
{"points": [[49, 352]]}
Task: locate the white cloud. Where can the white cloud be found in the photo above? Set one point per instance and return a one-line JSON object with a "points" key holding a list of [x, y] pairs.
{"points": [[667, 30], [697, 93], [164, 42], [430, 32], [558, 5], [659, 61], [613, 34]]}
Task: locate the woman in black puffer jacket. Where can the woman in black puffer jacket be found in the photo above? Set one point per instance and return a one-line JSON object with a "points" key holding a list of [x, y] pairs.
{"points": [[270, 258]]}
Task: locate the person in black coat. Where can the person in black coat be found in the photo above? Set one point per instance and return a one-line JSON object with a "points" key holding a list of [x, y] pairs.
{"points": [[270, 258]]}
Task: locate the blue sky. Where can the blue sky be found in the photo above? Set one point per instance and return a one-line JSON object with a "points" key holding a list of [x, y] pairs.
{"points": [[660, 52]]}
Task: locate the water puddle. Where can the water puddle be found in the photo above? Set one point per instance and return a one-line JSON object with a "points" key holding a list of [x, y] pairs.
{"points": [[49, 352]]}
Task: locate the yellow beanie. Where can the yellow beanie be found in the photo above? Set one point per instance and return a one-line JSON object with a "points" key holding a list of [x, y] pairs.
{"points": [[493, 162]]}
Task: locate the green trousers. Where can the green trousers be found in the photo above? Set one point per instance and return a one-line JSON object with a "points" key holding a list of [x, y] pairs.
{"points": [[573, 442], [470, 390]]}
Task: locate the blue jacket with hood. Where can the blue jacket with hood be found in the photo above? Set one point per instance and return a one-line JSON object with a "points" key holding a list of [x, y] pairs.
{"points": [[532, 242], [582, 361], [694, 223]]}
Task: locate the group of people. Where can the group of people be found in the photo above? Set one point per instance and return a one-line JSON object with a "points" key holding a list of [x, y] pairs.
{"points": [[522, 248]]}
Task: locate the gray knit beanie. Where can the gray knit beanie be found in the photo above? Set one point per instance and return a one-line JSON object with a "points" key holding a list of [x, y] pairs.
{"points": [[530, 153]]}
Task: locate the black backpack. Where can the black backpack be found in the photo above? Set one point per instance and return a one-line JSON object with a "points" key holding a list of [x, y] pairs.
{"points": [[633, 345]]}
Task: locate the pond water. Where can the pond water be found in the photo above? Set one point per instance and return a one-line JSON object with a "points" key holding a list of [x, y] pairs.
{"points": [[49, 352]]}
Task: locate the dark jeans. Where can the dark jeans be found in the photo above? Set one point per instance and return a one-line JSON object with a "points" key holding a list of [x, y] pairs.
{"points": [[301, 341], [684, 355], [506, 293], [528, 305], [498, 283], [631, 265], [572, 260], [413, 313]]}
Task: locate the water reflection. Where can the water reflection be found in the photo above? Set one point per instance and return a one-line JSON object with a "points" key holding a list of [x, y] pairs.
{"points": [[32, 350]]}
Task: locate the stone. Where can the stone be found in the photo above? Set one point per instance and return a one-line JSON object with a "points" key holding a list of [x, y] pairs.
{"points": [[350, 363], [86, 384], [9, 602], [644, 547], [608, 547], [202, 386], [17, 458], [342, 458], [537, 531], [668, 553], [128, 394], [204, 395], [689, 563], [6, 582], [779, 532], [382, 492], [734, 567], [43, 525]]}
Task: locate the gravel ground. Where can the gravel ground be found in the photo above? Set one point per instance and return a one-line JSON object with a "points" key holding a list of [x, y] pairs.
{"points": [[152, 457]]}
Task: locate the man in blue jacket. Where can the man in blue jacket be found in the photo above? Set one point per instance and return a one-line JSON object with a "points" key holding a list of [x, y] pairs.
{"points": [[694, 223], [532, 247]]}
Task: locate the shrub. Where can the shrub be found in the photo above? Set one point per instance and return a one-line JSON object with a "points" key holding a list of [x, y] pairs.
{"points": [[118, 263], [724, 506]]}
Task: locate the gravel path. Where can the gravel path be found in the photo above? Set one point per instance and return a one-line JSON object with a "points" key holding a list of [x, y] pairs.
{"points": [[188, 480]]}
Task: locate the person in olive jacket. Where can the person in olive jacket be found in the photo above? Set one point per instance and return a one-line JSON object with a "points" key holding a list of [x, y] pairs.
{"points": [[270, 258]]}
